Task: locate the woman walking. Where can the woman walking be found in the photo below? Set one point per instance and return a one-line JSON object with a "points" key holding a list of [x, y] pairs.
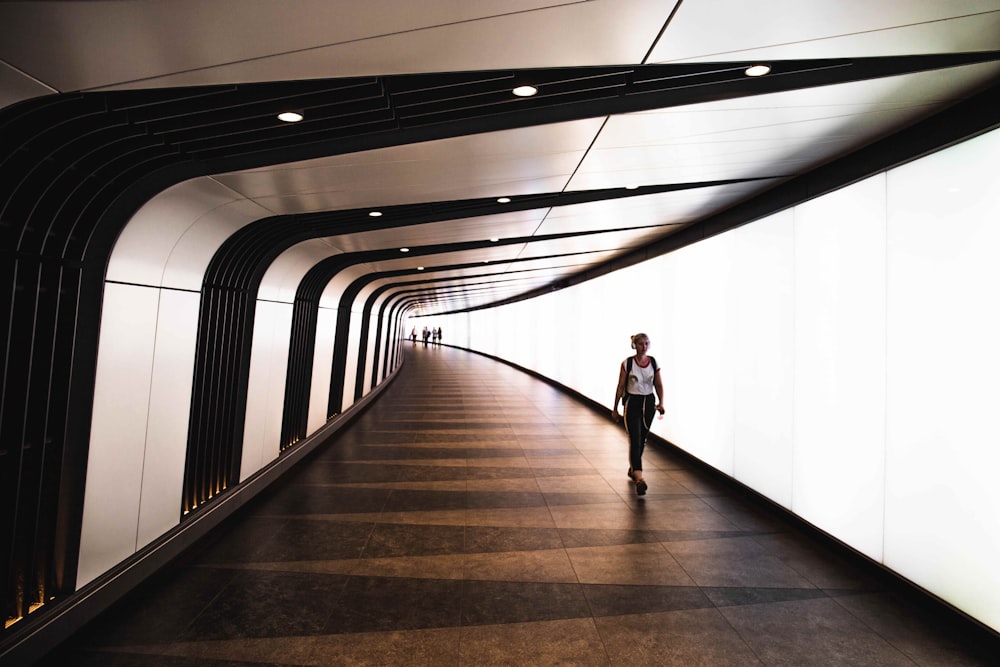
{"points": [[638, 378]]}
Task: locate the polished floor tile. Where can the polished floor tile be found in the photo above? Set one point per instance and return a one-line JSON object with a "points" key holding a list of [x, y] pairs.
{"points": [[473, 515]]}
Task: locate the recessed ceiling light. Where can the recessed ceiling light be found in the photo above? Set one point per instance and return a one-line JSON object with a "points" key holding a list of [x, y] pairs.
{"points": [[631, 187], [374, 214], [494, 239], [404, 250], [757, 70], [503, 200], [290, 116], [525, 91], [420, 268]]}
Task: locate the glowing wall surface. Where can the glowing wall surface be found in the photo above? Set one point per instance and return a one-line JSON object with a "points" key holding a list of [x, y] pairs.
{"points": [[839, 357]]}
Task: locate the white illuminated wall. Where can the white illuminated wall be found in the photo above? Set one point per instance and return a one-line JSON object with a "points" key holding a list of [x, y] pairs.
{"points": [[146, 358], [840, 358]]}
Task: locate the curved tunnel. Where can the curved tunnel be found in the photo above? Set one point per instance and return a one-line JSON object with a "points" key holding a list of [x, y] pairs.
{"points": [[249, 332]]}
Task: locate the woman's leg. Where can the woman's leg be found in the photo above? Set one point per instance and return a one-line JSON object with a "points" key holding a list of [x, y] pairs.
{"points": [[636, 433]]}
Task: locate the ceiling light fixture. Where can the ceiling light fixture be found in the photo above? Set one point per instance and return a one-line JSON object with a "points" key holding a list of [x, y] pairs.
{"points": [[503, 200], [404, 250], [494, 239], [420, 268], [525, 91], [757, 70], [290, 116], [631, 187], [374, 214]]}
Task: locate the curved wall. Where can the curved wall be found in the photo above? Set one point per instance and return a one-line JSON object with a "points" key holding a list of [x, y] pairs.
{"points": [[146, 365], [839, 357]]}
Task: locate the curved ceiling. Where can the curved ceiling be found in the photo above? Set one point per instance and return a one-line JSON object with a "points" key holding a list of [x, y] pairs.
{"points": [[644, 123]]}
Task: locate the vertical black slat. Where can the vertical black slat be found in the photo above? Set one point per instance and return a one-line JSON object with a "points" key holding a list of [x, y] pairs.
{"points": [[288, 435], [383, 331], [69, 416], [10, 454], [222, 389], [218, 406], [298, 378], [224, 433], [376, 353], [359, 375], [33, 434], [389, 356], [210, 428], [392, 351], [243, 343], [307, 351], [37, 314], [198, 414], [46, 435], [13, 436], [340, 345], [392, 345], [201, 435], [219, 387], [400, 310], [215, 390], [388, 314], [335, 405]]}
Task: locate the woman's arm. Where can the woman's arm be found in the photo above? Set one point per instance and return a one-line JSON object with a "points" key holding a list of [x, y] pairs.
{"points": [[619, 392], [658, 385]]}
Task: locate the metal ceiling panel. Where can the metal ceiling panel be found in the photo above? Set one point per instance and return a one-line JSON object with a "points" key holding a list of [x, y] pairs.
{"points": [[512, 162], [191, 42], [769, 135], [783, 29], [16, 86]]}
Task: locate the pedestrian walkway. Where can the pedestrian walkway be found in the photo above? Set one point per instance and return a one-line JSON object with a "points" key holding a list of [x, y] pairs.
{"points": [[474, 515]]}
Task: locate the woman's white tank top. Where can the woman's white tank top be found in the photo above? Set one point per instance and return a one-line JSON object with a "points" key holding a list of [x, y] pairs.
{"points": [[640, 380]]}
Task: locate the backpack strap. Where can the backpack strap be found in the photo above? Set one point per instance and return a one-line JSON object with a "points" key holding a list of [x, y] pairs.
{"points": [[628, 364]]}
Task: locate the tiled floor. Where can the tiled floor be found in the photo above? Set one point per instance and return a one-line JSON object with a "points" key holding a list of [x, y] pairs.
{"points": [[476, 516]]}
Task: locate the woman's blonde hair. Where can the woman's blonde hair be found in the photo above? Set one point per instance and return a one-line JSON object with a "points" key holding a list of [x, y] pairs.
{"points": [[636, 337]]}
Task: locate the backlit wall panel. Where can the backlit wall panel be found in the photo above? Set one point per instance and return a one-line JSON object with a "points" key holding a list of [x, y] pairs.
{"points": [[371, 363], [942, 501], [609, 309], [353, 350], [701, 372], [266, 387], [839, 357], [118, 430], [319, 392], [764, 274], [169, 410]]}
